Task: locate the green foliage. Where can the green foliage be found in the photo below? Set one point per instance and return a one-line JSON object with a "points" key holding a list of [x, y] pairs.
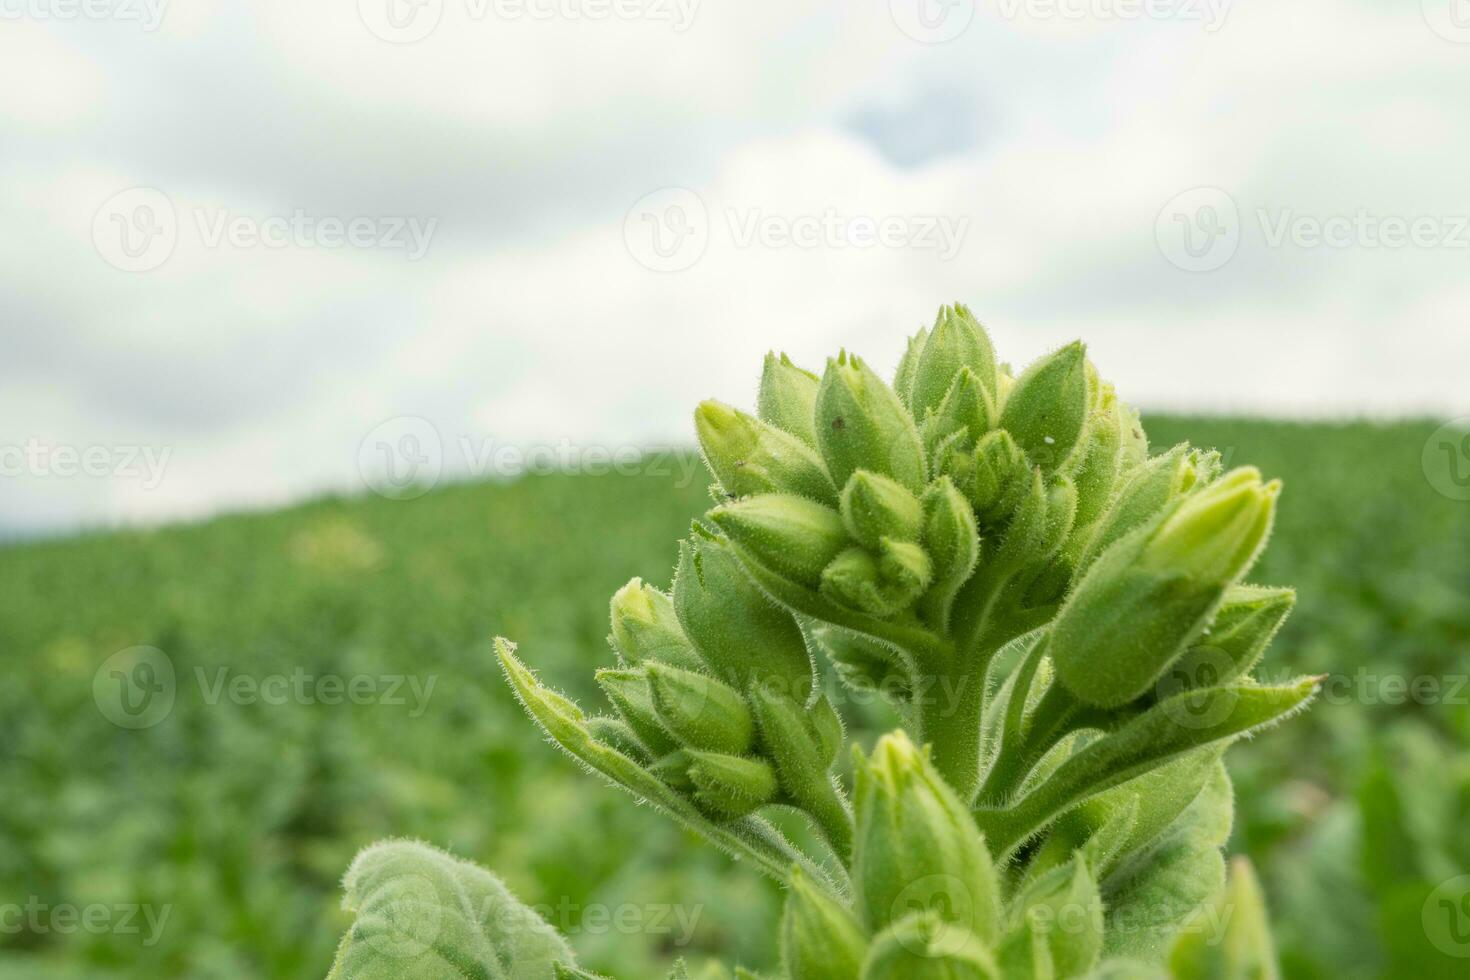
{"points": [[421, 913]]}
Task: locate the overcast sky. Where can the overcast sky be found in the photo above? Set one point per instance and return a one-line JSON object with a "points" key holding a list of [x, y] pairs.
{"points": [[250, 249]]}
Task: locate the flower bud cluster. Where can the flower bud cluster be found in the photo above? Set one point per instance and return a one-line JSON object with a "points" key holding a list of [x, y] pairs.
{"points": [[715, 694]]}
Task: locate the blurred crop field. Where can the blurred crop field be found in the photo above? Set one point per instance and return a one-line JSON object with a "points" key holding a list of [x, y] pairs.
{"points": [[333, 684]]}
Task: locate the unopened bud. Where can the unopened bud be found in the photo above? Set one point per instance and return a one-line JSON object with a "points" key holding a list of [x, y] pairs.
{"points": [[793, 536], [957, 341], [917, 847], [1145, 599], [741, 635], [1216, 534], [874, 507], [700, 711], [1002, 474], [1046, 411], [644, 627], [730, 786], [788, 398], [927, 946], [966, 409], [627, 689], [1147, 490], [820, 940], [862, 425], [953, 544], [748, 456]]}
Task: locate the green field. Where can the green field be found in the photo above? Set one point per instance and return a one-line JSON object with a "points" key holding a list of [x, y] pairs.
{"points": [[230, 821]]}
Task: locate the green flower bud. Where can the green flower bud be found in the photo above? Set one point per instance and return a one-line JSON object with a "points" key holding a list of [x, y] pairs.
{"points": [[627, 689], [903, 379], [740, 634], [917, 847], [967, 409], [1102, 462], [862, 425], [905, 568], [953, 543], [730, 786], [1061, 511], [928, 947], [801, 746], [1148, 596], [615, 733], [1002, 476], [788, 398], [852, 580], [1216, 534], [957, 341], [644, 627], [673, 770], [749, 457], [820, 940], [874, 506], [1046, 411], [1135, 441], [882, 584], [700, 711], [1147, 491], [792, 536]]}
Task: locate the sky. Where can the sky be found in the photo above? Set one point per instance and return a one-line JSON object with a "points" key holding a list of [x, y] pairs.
{"points": [[258, 251]]}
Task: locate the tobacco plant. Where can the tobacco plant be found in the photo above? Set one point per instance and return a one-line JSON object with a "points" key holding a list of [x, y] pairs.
{"points": [[1058, 617]]}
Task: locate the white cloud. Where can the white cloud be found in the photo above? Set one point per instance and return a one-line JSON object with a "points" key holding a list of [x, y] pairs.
{"points": [[530, 318]]}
